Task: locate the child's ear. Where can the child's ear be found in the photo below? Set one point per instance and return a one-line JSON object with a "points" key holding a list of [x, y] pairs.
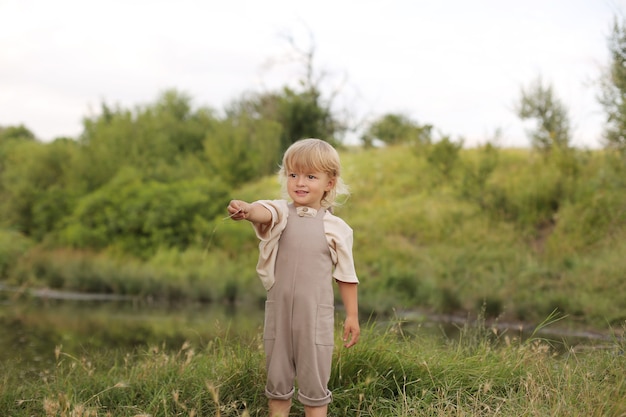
{"points": [[331, 184]]}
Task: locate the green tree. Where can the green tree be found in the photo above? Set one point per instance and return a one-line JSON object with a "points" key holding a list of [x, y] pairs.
{"points": [[393, 128], [539, 102], [39, 185], [9, 136], [19, 132], [157, 139], [241, 148], [300, 114], [613, 89], [304, 115]]}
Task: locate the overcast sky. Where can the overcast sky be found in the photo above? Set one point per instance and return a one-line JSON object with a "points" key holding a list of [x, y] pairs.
{"points": [[456, 64]]}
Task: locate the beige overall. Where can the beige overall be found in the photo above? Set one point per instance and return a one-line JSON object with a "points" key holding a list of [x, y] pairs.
{"points": [[299, 313]]}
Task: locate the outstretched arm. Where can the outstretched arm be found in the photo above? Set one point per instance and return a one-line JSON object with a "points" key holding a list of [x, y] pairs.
{"points": [[255, 212], [351, 329]]}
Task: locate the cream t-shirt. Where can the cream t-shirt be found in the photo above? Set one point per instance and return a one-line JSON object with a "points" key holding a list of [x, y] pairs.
{"points": [[338, 235]]}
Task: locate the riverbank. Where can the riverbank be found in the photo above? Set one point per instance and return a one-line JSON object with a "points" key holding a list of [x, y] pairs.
{"points": [[554, 326], [35, 322]]}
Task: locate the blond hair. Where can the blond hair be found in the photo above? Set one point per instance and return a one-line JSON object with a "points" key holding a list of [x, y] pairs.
{"points": [[314, 155]]}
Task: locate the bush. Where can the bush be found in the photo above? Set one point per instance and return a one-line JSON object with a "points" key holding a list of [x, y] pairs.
{"points": [[12, 246], [137, 217]]}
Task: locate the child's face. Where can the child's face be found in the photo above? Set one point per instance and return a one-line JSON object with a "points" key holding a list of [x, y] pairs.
{"points": [[308, 188]]}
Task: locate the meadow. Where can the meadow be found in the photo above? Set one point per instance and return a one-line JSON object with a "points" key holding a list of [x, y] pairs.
{"points": [[496, 236]]}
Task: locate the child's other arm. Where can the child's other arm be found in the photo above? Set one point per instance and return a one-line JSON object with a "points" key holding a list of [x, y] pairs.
{"points": [[351, 329], [255, 212]]}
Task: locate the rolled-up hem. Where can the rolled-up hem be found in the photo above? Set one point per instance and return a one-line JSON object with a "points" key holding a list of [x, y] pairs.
{"points": [[315, 402], [272, 396]]}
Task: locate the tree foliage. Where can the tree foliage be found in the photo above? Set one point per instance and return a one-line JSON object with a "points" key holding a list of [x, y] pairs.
{"points": [[156, 139], [39, 186], [301, 114], [297, 115], [613, 89], [241, 148], [539, 102], [45, 187], [138, 216], [11, 136], [148, 177], [394, 128], [155, 175], [19, 132]]}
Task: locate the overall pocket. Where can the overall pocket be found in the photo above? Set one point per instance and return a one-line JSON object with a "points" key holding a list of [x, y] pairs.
{"points": [[325, 325]]}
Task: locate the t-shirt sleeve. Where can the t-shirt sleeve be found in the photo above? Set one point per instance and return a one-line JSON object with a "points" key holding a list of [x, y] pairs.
{"points": [[269, 236], [279, 211], [340, 239]]}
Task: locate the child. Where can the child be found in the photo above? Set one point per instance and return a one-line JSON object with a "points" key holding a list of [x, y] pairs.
{"points": [[303, 246]]}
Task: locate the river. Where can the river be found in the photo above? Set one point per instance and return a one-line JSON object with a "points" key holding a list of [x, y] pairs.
{"points": [[32, 327]]}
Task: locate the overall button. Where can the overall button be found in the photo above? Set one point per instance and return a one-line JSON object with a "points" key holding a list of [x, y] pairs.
{"points": [[305, 211]]}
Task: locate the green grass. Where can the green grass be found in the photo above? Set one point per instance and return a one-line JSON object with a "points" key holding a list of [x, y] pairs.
{"points": [[389, 373]]}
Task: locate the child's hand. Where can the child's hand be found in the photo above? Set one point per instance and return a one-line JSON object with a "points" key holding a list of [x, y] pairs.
{"points": [[238, 209], [352, 331]]}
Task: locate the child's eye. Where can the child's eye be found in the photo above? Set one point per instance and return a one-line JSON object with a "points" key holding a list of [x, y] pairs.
{"points": [[292, 175], [311, 177]]}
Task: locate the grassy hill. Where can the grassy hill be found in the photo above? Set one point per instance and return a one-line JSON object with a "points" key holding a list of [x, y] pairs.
{"points": [[510, 232]]}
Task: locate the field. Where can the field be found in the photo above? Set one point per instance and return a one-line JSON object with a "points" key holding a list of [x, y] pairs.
{"points": [[390, 373], [499, 236]]}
